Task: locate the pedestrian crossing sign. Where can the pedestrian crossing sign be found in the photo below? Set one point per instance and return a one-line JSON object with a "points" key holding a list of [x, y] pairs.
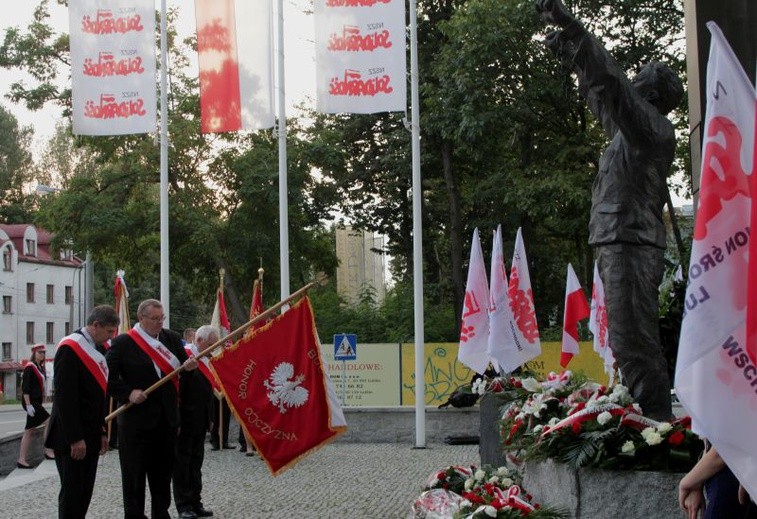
{"points": [[345, 346]]}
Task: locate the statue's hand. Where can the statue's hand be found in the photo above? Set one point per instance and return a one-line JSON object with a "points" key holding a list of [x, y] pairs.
{"points": [[554, 11], [552, 41]]}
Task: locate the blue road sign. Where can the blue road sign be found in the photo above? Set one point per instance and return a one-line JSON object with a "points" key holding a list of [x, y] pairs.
{"points": [[345, 346]]}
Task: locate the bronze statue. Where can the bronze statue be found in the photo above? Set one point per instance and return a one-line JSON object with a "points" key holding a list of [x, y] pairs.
{"points": [[626, 228]]}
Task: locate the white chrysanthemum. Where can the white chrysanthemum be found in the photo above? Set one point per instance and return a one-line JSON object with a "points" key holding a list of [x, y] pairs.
{"points": [[604, 417], [503, 471], [628, 447], [478, 387], [648, 431], [664, 427], [520, 417], [636, 407], [530, 384], [507, 482], [603, 399], [494, 479], [653, 439], [465, 503], [490, 511], [479, 475], [469, 483], [553, 421], [537, 428]]}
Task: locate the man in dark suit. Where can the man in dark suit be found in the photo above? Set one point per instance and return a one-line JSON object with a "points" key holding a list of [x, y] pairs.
{"points": [[147, 430], [195, 406], [77, 424]]}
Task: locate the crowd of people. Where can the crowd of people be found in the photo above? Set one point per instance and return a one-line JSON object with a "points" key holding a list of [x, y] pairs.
{"points": [[161, 432]]}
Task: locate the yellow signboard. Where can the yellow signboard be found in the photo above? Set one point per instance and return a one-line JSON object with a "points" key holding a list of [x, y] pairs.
{"points": [[444, 373], [370, 380]]}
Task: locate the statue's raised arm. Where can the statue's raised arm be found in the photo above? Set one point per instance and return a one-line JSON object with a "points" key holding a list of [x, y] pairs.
{"points": [[626, 227]]}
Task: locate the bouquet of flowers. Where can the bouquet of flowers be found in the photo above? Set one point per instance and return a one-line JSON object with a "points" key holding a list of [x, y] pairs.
{"points": [[472, 492], [599, 427]]}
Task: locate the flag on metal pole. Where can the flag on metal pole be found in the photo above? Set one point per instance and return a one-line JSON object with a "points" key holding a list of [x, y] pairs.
{"points": [[500, 314], [474, 329], [716, 371], [576, 309], [122, 302], [220, 318], [282, 396], [235, 50]]}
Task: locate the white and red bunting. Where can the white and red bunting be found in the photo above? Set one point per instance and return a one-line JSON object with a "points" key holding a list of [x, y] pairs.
{"points": [[360, 56], [113, 66]]}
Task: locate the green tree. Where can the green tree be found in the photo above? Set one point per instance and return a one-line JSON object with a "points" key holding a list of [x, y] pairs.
{"points": [[15, 170]]}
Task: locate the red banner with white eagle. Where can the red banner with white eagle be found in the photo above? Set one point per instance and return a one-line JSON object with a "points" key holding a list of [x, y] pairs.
{"points": [[277, 387]]}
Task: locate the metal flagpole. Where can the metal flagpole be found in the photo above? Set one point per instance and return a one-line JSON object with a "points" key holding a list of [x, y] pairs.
{"points": [[164, 290], [283, 201], [420, 354]]}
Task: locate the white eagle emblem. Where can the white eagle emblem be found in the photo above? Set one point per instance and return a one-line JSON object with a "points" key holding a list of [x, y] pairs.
{"points": [[283, 391]]}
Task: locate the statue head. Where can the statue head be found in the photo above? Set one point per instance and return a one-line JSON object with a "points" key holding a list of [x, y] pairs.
{"points": [[659, 85]]}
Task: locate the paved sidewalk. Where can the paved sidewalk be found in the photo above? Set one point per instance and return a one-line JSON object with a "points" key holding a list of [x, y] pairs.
{"points": [[341, 480]]}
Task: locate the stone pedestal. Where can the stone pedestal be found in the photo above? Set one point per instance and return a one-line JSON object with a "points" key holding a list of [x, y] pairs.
{"points": [[490, 444], [603, 494]]}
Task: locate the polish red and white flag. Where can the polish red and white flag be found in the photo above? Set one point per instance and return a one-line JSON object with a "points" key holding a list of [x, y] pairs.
{"points": [[716, 370], [576, 309], [599, 327], [220, 318], [235, 51], [474, 330]]}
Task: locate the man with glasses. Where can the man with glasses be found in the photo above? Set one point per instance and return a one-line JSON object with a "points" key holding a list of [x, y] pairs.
{"points": [[77, 431], [147, 430]]}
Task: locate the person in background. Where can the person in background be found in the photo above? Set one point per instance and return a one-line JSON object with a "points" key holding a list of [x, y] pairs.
{"points": [[194, 407], [147, 430], [77, 431], [33, 382]]}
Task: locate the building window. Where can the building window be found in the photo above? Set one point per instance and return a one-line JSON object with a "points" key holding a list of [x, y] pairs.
{"points": [[7, 304], [69, 296], [67, 327], [7, 351], [7, 259], [50, 294], [31, 247], [50, 335], [29, 332], [30, 292]]}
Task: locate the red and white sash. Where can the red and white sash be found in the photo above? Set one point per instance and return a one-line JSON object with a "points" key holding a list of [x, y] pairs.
{"points": [[92, 359], [203, 364], [39, 375], [160, 355]]}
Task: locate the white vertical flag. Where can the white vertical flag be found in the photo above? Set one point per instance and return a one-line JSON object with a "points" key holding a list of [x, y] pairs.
{"points": [[500, 314], [576, 309], [113, 66], [598, 325], [716, 372], [236, 64], [474, 331], [360, 56], [522, 340]]}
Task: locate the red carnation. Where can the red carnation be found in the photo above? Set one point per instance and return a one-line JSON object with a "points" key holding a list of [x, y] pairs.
{"points": [[676, 438]]}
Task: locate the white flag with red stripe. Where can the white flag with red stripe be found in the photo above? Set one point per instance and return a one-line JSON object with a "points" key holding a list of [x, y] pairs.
{"points": [[598, 325], [234, 47], [576, 309], [474, 331], [122, 302], [220, 318], [716, 371]]}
